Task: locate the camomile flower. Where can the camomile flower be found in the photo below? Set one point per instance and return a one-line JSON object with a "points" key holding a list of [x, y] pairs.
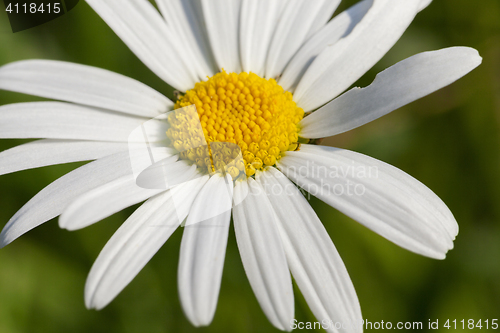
{"points": [[259, 82]]}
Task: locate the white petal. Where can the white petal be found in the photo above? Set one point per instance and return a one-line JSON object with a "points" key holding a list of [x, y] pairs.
{"points": [[222, 18], [203, 249], [50, 152], [185, 20], [377, 195], [342, 64], [398, 85], [313, 259], [324, 15], [338, 28], [56, 120], [104, 201], [258, 22], [298, 18], [165, 174], [424, 4], [84, 85], [112, 197], [262, 253], [215, 199], [135, 243], [142, 28], [53, 199]]}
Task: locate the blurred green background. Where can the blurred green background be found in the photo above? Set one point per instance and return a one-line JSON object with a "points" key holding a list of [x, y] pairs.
{"points": [[448, 140]]}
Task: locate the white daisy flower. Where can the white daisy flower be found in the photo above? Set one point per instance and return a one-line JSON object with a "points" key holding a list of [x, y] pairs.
{"points": [[266, 78]]}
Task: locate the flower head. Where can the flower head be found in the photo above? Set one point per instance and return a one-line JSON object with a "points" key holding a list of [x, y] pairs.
{"points": [[243, 109]]}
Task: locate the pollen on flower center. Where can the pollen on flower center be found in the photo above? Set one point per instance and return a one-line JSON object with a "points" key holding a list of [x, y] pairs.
{"points": [[244, 109]]}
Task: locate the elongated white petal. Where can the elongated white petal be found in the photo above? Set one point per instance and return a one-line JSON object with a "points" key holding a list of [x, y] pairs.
{"points": [[398, 85], [53, 199], [298, 18], [203, 249], [166, 174], [136, 241], [342, 64], [262, 253], [215, 199], [423, 4], [56, 120], [50, 152], [142, 28], [104, 201], [84, 85], [323, 16], [185, 19], [313, 259], [222, 18], [258, 22], [338, 28], [377, 195]]}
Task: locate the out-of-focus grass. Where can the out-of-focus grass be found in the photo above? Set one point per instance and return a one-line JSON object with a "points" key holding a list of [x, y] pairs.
{"points": [[448, 140]]}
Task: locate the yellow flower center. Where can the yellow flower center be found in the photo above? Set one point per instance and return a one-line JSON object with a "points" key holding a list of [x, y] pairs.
{"points": [[249, 114]]}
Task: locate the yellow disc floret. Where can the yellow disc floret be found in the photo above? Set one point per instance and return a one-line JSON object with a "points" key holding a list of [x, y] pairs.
{"points": [[236, 115]]}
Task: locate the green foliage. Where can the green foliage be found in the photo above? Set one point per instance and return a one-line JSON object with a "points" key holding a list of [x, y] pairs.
{"points": [[448, 140]]}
